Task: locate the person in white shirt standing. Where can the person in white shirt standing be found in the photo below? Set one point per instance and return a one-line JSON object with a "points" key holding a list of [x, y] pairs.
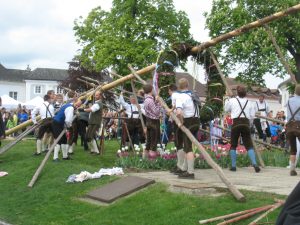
{"points": [[242, 111], [261, 125], [46, 111], [134, 124], [186, 112]]}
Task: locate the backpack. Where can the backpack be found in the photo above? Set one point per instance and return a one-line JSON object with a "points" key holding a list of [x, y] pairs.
{"points": [[197, 102]]}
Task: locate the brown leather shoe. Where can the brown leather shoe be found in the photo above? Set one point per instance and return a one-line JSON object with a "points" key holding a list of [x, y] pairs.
{"points": [[293, 173], [186, 175]]}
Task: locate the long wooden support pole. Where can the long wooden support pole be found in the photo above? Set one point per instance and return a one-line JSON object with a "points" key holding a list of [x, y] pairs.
{"points": [[216, 63], [231, 215], [255, 140], [246, 28], [271, 119], [19, 138], [280, 55], [236, 193], [39, 170]]}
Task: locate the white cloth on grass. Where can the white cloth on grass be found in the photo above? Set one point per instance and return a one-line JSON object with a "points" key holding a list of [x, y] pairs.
{"points": [[84, 175]]}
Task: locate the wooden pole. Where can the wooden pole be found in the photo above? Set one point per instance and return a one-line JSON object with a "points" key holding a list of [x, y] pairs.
{"points": [[255, 140], [39, 170], [136, 99], [245, 216], [231, 215], [271, 119], [128, 135], [21, 126], [19, 138], [119, 76], [228, 89], [237, 194], [280, 55], [246, 28], [276, 206]]}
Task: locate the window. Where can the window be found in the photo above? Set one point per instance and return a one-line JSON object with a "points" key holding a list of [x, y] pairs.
{"points": [[13, 94], [38, 89], [59, 90]]}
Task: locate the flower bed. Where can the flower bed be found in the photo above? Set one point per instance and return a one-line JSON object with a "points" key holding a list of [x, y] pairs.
{"points": [[167, 158]]}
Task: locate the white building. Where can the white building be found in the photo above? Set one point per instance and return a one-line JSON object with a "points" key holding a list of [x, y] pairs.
{"points": [[24, 85], [283, 88]]}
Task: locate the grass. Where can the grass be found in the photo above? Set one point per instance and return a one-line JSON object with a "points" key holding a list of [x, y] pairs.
{"points": [[53, 202]]}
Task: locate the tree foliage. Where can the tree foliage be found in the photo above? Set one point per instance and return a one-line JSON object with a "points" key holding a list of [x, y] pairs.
{"points": [[134, 31], [253, 52]]}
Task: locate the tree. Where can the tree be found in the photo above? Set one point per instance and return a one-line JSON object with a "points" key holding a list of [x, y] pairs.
{"points": [[134, 31], [253, 52]]}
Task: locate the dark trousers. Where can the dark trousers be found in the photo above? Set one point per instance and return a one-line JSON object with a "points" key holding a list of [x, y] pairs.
{"points": [[91, 132], [178, 139], [192, 124], [45, 127], [135, 131], [82, 125], [57, 128], [153, 133], [258, 127], [241, 127]]}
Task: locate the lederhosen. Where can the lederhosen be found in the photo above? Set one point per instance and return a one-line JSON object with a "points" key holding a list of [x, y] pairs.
{"points": [[153, 132], [134, 127], [45, 126], [257, 123], [241, 127], [191, 123], [94, 123], [58, 126], [293, 130], [82, 124]]}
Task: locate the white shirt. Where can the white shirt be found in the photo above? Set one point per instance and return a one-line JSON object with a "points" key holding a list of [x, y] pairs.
{"points": [[42, 110], [234, 108], [129, 108], [185, 102], [174, 96], [69, 114], [262, 106]]}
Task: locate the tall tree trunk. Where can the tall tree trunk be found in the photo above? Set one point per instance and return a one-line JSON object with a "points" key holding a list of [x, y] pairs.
{"points": [[297, 60]]}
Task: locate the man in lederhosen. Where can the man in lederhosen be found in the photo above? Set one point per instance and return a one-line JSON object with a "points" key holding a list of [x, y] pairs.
{"points": [[152, 111], [63, 118], [134, 124], [46, 111], [293, 127], [186, 112], [178, 134], [95, 119], [241, 112], [261, 125]]}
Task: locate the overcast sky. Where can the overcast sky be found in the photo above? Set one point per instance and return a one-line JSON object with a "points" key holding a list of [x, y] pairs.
{"points": [[40, 33]]}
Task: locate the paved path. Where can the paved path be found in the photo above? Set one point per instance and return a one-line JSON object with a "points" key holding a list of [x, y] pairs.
{"points": [[270, 179]]}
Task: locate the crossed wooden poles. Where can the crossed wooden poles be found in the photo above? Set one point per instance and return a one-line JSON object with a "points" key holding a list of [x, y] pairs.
{"points": [[150, 68]]}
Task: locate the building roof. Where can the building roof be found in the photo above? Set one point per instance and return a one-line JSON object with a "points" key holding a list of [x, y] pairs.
{"points": [[199, 87], [255, 91], [15, 75]]}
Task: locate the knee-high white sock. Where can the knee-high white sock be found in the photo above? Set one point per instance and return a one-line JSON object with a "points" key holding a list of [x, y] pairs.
{"points": [[64, 149], [71, 148], [38, 145], [94, 146], [190, 166], [180, 158], [56, 151]]}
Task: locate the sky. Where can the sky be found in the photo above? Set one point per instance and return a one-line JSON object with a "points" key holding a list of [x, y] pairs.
{"points": [[39, 33]]}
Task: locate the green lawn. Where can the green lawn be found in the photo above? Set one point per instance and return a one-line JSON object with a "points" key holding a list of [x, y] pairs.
{"points": [[53, 201]]}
